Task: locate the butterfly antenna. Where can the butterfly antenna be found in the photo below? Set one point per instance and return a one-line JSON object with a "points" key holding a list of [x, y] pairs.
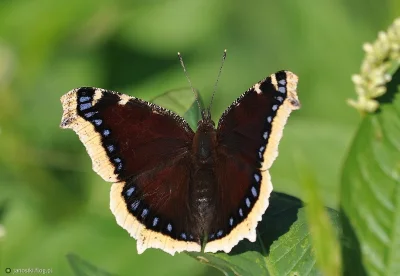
{"points": [[216, 83], [190, 83]]}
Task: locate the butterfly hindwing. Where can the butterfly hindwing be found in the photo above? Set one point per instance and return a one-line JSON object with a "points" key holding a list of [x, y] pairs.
{"points": [[154, 209], [248, 135]]}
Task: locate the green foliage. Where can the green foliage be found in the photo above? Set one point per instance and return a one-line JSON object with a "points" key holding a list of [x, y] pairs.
{"points": [[371, 189], [324, 237], [182, 102], [56, 204]]}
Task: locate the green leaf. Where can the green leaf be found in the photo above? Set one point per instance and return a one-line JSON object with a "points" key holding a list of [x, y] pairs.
{"points": [[83, 268], [323, 236], [283, 245], [183, 102], [370, 198]]}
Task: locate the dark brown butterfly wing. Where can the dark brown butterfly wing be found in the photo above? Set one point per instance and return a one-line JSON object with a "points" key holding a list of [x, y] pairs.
{"points": [[248, 135], [145, 150]]}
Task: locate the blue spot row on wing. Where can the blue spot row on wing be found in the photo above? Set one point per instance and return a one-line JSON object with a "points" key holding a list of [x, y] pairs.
{"points": [[85, 98], [139, 209], [278, 97]]}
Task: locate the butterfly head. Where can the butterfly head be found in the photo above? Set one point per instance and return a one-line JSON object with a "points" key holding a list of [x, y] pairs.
{"points": [[206, 119]]}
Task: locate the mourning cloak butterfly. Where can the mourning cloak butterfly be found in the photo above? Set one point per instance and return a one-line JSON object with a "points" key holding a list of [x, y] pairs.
{"points": [[176, 189]]}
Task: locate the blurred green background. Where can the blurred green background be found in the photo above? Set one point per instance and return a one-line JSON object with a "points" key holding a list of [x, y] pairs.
{"points": [[52, 203]]}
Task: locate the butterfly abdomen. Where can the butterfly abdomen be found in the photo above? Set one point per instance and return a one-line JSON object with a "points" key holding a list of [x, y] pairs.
{"points": [[202, 196]]}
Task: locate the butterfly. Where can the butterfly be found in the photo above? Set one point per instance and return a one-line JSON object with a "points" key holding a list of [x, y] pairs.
{"points": [[177, 189]]}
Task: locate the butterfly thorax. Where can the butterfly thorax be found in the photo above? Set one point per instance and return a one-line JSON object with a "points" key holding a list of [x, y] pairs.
{"points": [[203, 189], [204, 143]]}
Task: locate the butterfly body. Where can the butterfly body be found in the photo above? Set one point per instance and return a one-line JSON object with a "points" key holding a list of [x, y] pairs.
{"points": [[176, 189]]}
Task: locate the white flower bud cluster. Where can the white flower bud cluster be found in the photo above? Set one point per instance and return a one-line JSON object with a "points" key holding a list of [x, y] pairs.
{"points": [[381, 58]]}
